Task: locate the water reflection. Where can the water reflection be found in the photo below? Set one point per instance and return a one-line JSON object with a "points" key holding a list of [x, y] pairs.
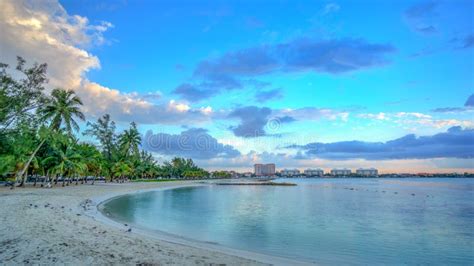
{"points": [[361, 221]]}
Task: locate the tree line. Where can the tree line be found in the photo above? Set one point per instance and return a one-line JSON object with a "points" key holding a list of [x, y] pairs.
{"points": [[38, 137]]}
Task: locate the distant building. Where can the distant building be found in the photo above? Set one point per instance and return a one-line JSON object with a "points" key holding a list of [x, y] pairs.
{"points": [[264, 169], [314, 172], [341, 172], [367, 172], [289, 172], [247, 174]]}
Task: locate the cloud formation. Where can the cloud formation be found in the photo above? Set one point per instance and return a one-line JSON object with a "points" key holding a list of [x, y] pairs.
{"points": [[330, 8], [312, 113], [324, 56], [252, 121], [256, 121], [420, 17], [335, 56], [470, 101], [267, 95], [45, 32], [193, 93], [414, 119], [468, 106], [449, 110], [468, 41], [193, 143], [454, 143]]}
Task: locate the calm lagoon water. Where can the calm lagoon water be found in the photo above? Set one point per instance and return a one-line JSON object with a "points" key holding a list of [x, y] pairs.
{"points": [[327, 221]]}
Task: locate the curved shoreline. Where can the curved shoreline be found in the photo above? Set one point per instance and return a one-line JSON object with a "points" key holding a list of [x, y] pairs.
{"points": [[48, 227], [92, 209]]}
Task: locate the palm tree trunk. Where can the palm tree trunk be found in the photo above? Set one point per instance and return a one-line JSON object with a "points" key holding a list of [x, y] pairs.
{"points": [[22, 172]]}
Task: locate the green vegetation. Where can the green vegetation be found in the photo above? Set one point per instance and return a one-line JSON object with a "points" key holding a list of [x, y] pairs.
{"points": [[37, 138], [221, 174]]}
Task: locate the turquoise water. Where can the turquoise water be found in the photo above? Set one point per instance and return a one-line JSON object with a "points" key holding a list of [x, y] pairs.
{"points": [[327, 221]]}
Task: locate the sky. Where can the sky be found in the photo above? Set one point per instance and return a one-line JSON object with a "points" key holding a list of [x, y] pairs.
{"points": [[303, 84]]}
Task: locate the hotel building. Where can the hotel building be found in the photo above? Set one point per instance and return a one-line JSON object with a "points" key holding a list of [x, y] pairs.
{"points": [[367, 172], [264, 169], [341, 172], [289, 172]]}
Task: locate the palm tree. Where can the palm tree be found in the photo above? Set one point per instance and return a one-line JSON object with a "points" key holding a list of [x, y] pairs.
{"points": [[66, 160], [121, 169], [129, 141], [92, 158], [61, 109]]}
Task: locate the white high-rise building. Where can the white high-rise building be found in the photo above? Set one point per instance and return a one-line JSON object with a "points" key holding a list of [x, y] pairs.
{"points": [[314, 172], [289, 172], [341, 172], [367, 172]]}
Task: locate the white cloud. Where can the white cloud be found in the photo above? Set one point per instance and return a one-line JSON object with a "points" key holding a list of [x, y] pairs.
{"points": [[42, 31], [414, 119], [311, 113], [408, 114], [379, 116], [330, 8]]}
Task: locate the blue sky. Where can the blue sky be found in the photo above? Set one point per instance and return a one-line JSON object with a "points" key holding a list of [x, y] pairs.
{"points": [[265, 80]]}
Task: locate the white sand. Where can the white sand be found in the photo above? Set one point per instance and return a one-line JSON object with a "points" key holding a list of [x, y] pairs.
{"points": [[55, 226]]}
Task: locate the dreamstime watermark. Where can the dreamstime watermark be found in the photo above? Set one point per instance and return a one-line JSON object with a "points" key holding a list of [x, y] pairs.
{"points": [[270, 136]]}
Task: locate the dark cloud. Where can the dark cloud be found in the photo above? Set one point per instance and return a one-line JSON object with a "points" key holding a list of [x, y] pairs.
{"points": [[330, 56], [274, 94], [257, 84], [449, 110], [193, 93], [245, 62], [285, 119], [207, 88], [252, 121], [467, 107], [427, 29], [470, 101], [468, 41], [333, 56], [193, 143], [455, 143], [420, 17], [465, 42], [226, 72]]}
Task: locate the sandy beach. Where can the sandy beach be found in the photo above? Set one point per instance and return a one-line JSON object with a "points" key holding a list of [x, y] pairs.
{"points": [[54, 226]]}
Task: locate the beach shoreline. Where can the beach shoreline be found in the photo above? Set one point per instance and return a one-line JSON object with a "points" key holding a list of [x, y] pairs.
{"points": [[64, 226]]}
